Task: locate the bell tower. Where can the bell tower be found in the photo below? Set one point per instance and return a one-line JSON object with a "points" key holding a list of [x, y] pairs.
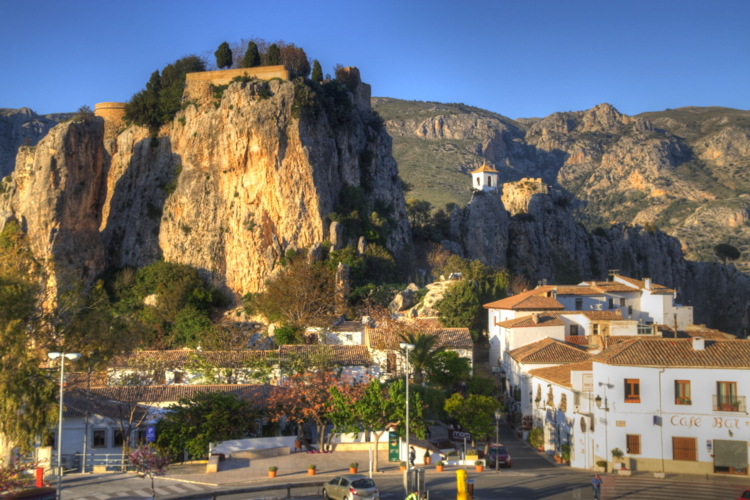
{"points": [[484, 178]]}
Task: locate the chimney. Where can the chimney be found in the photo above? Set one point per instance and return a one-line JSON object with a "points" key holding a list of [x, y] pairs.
{"points": [[535, 318], [647, 283], [699, 343]]}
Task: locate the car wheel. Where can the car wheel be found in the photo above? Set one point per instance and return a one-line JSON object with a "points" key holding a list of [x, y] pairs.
{"points": [[325, 495]]}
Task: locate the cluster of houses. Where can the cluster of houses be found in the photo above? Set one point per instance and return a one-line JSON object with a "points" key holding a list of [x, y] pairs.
{"points": [[128, 396], [618, 372]]}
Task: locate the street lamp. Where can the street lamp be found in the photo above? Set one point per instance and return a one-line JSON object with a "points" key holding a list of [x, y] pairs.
{"points": [[498, 416], [71, 356], [406, 347]]}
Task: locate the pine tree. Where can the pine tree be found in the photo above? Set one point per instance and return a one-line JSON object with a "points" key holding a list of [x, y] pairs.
{"points": [[223, 56], [252, 56], [317, 72], [273, 56]]}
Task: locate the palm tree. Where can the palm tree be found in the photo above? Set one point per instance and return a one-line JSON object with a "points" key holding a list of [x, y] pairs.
{"points": [[423, 355]]}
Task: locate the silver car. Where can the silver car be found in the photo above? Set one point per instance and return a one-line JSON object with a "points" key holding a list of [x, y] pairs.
{"points": [[351, 487]]}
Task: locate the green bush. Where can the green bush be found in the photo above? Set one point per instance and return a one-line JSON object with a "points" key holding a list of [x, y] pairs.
{"points": [[252, 56], [287, 335], [536, 437], [223, 56], [304, 99]]}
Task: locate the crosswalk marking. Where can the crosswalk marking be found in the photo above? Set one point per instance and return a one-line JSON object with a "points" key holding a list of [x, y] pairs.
{"points": [[101, 496], [143, 493], [192, 486]]}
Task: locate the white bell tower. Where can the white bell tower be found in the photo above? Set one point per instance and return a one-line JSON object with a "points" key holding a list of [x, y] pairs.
{"points": [[484, 178]]}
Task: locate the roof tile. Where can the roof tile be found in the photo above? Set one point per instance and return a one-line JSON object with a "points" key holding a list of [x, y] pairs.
{"points": [[549, 350]]}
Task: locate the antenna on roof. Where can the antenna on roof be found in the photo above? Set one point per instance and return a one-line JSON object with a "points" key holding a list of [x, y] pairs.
{"points": [[542, 282]]}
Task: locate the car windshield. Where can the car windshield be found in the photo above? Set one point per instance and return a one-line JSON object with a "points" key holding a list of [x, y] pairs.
{"points": [[498, 451], [363, 483]]}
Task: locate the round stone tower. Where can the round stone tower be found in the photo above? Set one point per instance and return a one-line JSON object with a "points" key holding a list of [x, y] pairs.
{"points": [[114, 117]]}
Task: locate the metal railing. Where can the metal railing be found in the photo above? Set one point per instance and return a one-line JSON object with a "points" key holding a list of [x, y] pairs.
{"points": [[729, 403], [111, 461], [213, 495]]}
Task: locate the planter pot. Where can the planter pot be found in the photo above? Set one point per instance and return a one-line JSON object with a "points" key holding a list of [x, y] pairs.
{"points": [[402, 468], [439, 468], [480, 468], [558, 459], [297, 444], [310, 472], [352, 470], [540, 448], [271, 473], [427, 460], [567, 462]]}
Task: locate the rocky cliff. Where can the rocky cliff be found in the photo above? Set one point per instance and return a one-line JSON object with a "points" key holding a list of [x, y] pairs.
{"points": [[22, 127], [686, 171], [228, 187], [545, 242]]}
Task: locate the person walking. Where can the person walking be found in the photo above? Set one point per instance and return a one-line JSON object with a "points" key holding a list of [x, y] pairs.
{"points": [[596, 484], [412, 455], [413, 496]]}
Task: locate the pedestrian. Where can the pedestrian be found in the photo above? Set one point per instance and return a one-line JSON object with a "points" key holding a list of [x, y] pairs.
{"points": [[596, 484], [413, 496], [412, 455]]}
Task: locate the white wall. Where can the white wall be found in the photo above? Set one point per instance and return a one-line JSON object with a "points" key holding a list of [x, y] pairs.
{"points": [[248, 444]]}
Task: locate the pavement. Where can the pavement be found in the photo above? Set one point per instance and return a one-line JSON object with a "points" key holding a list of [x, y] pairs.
{"points": [[534, 476]]}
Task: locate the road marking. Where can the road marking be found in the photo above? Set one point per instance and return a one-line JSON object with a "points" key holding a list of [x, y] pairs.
{"points": [[101, 496], [143, 493], [192, 486]]}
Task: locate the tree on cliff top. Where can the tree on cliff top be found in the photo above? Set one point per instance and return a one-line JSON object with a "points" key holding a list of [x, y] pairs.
{"points": [[725, 252], [317, 72], [223, 56], [252, 56], [295, 60], [143, 108], [273, 55]]}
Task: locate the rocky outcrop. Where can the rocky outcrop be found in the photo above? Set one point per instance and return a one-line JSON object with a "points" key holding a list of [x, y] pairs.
{"points": [[56, 193], [22, 127], [517, 195], [547, 243]]}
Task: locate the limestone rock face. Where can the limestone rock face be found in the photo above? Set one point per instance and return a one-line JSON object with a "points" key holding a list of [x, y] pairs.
{"points": [[517, 195], [56, 193], [19, 127], [403, 300], [231, 186], [547, 243]]}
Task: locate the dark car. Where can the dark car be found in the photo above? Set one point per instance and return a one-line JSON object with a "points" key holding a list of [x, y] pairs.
{"points": [[501, 454]]}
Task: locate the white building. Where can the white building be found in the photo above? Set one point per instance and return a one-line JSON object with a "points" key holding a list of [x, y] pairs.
{"points": [[484, 178]]}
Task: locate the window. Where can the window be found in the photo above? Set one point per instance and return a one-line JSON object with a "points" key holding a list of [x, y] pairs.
{"points": [[611, 304], [577, 398], [390, 362], [344, 482], [478, 182], [622, 302], [579, 304], [726, 396], [348, 337], [489, 181], [178, 377], [633, 444], [630, 310], [632, 390], [117, 443], [573, 330], [684, 449], [100, 438], [682, 392], [595, 327], [140, 436]]}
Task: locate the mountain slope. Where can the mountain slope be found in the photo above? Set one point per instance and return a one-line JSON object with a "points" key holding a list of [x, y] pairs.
{"points": [[19, 127], [686, 171]]}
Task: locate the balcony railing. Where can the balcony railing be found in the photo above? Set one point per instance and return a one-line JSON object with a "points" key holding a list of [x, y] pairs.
{"points": [[730, 403], [577, 339]]}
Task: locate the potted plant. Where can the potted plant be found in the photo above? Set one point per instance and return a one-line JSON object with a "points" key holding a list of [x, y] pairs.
{"points": [[558, 458], [311, 469], [439, 465], [602, 465], [402, 466], [617, 455], [353, 467], [536, 438], [427, 457], [272, 471], [479, 465], [566, 454]]}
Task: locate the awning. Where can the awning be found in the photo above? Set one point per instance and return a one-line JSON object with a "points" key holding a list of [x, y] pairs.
{"points": [[730, 453]]}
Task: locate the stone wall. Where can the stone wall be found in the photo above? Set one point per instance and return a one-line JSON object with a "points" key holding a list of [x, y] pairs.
{"points": [[197, 84], [114, 117]]}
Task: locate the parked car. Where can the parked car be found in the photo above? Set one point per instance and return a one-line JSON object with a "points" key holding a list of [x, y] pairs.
{"points": [[351, 487], [745, 495], [501, 454]]}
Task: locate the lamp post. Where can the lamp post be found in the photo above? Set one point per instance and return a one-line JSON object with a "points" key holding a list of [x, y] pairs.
{"points": [[71, 356], [498, 416], [407, 347]]}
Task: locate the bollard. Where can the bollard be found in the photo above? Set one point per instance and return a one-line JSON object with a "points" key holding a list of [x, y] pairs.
{"points": [[40, 477], [470, 489], [461, 493]]}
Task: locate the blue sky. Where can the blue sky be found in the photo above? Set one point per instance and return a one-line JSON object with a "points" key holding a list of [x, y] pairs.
{"points": [[520, 58]]}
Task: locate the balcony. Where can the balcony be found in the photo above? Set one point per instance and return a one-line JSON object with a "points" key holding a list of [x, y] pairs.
{"points": [[730, 403], [577, 339]]}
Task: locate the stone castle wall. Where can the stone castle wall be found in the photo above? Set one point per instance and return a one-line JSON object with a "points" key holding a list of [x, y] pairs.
{"points": [[197, 85]]}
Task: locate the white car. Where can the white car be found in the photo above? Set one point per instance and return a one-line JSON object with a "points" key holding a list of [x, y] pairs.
{"points": [[351, 487]]}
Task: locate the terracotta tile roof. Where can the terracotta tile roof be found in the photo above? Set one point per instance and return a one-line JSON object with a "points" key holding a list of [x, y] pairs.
{"points": [[450, 338], [533, 300], [560, 374], [655, 288], [611, 286], [549, 350], [347, 326], [597, 315], [485, 168], [618, 339], [343, 355], [677, 353], [544, 319], [707, 333], [76, 402], [179, 357], [171, 393], [579, 290]]}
